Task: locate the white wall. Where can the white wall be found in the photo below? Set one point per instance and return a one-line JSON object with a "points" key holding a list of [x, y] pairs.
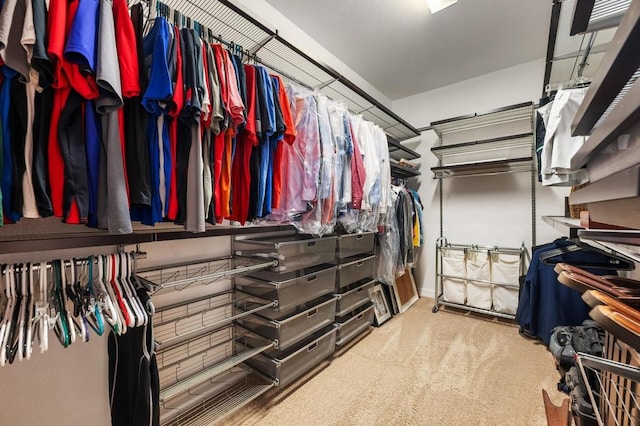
{"points": [[489, 210]]}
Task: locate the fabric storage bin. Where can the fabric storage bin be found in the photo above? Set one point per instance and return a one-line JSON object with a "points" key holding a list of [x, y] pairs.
{"points": [[351, 325], [453, 265], [354, 298], [505, 269], [354, 244], [286, 366], [478, 270], [354, 270], [295, 326], [292, 252], [291, 289]]}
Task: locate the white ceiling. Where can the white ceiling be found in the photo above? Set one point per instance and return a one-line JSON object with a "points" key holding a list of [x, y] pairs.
{"points": [[403, 50]]}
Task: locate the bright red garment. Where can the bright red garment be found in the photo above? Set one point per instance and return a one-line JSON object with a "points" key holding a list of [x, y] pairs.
{"points": [[246, 140], [289, 137], [178, 104], [127, 50], [358, 172]]}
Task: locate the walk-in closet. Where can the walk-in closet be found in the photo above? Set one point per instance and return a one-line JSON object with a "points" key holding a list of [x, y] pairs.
{"points": [[278, 212]]}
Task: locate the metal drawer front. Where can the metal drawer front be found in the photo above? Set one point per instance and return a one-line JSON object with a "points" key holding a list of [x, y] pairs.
{"points": [[353, 325], [286, 366], [292, 289], [354, 271], [292, 253], [353, 298], [355, 244], [295, 327]]}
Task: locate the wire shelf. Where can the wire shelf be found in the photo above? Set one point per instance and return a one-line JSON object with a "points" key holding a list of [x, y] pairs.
{"points": [[211, 372], [183, 275], [176, 323], [523, 140], [613, 389], [508, 114], [215, 409], [515, 165]]}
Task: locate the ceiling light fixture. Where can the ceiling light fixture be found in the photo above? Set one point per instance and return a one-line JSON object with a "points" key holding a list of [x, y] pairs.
{"points": [[438, 5]]}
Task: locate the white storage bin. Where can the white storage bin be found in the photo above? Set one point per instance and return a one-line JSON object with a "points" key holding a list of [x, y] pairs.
{"points": [[478, 270], [505, 268], [453, 265]]}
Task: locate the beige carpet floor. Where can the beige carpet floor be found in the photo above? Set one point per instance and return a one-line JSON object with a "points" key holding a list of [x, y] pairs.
{"points": [[420, 368]]}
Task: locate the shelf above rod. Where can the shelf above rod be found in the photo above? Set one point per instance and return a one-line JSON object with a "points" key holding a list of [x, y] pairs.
{"points": [[403, 172], [211, 372], [397, 147], [627, 237], [521, 140], [507, 114], [567, 226], [515, 165]]}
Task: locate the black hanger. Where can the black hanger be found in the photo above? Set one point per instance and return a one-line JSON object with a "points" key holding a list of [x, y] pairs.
{"points": [[613, 262]]}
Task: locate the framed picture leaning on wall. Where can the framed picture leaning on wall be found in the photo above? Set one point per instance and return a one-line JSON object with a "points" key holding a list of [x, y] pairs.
{"points": [[380, 304]]}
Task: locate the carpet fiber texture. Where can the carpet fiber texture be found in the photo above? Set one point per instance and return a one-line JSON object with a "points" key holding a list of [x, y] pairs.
{"points": [[420, 368]]}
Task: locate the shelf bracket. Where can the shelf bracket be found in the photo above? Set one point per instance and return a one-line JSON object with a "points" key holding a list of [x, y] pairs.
{"points": [[255, 49], [325, 84]]}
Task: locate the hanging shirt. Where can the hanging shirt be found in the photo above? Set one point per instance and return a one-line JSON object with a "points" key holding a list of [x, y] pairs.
{"points": [[159, 88], [246, 141], [82, 41], [359, 173], [178, 103], [17, 35], [559, 146], [288, 137], [268, 121], [135, 123], [113, 205]]}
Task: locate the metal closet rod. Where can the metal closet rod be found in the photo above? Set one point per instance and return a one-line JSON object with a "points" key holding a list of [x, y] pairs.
{"points": [[65, 262], [473, 247]]}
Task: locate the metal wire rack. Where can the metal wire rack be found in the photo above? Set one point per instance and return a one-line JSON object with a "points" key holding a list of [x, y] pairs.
{"points": [[183, 275], [176, 323], [613, 390]]}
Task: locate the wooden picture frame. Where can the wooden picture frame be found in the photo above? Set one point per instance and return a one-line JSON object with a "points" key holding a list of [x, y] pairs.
{"points": [[381, 307]]}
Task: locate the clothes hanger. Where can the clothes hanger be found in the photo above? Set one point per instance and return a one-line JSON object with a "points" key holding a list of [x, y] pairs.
{"points": [[42, 308], [133, 285], [129, 293], [74, 294], [31, 310], [116, 301], [6, 321], [93, 309], [12, 341], [149, 307], [119, 292], [61, 327], [68, 310], [106, 297], [614, 262], [22, 331]]}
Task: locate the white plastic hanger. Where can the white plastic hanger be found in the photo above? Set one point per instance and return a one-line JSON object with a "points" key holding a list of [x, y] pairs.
{"points": [[125, 276], [9, 287], [120, 294], [113, 300], [31, 309], [42, 308], [23, 312]]}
